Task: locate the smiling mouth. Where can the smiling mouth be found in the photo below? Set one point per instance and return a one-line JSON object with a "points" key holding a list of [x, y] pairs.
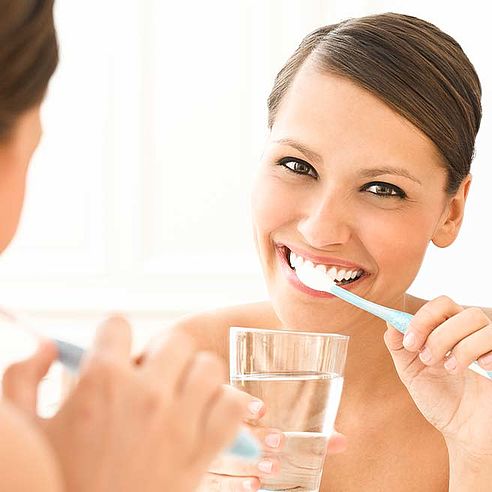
{"points": [[340, 275]]}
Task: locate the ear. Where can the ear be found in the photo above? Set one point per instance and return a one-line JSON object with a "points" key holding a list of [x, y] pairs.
{"points": [[452, 217]]}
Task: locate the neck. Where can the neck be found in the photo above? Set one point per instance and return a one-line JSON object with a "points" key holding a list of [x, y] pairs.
{"points": [[369, 370]]}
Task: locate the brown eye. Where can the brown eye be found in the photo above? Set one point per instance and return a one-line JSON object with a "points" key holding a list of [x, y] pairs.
{"points": [[384, 190], [299, 167]]}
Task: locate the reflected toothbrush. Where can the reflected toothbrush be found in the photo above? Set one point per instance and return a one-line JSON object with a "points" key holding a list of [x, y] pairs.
{"points": [[318, 280], [70, 355]]}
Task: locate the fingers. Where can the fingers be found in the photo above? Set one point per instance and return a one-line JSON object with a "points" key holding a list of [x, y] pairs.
{"points": [[445, 333], [222, 427], [254, 407], [271, 440], [486, 361], [393, 338], [169, 360], [222, 423], [427, 318], [21, 380], [201, 386], [469, 350], [467, 334], [337, 443], [227, 465], [114, 339], [224, 483]]}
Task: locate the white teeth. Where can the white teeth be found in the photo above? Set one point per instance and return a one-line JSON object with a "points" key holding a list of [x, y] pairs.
{"points": [[292, 259], [332, 273], [298, 262]]}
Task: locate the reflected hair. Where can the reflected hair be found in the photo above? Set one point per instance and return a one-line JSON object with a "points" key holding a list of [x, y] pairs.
{"points": [[28, 57]]}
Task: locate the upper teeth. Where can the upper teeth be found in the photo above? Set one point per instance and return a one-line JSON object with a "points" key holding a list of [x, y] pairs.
{"points": [[333, 272]]}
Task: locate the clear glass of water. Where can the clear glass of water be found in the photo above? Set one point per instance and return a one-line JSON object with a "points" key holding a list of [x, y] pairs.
{"points": [[299, 377]]}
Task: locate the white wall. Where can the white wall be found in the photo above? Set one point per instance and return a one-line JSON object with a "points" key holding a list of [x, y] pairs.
{"points": [[138, 197]]}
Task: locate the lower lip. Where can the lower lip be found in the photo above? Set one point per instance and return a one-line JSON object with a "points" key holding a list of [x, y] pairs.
{"points": [[294, 280]]}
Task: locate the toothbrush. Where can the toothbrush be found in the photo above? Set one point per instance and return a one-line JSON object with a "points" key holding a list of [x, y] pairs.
{"points": [[245, 444], [318, 280]]}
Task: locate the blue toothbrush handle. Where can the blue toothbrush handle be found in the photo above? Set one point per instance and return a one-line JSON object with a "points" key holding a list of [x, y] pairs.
{"points": [[69, 354], [399, 319], [245, 444]]}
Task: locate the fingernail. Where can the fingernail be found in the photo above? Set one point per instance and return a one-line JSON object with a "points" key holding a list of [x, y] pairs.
{"points": [[409, 340], [425, 355], [451, 364], [486, 360], [249, 485], [255, 406], [273, 440], [265, 466]]}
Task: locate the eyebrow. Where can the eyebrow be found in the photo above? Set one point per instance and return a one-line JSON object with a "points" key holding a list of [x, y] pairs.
{"points": [[397, 171], [364, 173], [311, 155]]}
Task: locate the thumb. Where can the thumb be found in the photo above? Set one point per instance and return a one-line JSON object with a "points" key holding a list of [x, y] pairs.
{"points": [[402, 358], [21, 380], [393, 338]]}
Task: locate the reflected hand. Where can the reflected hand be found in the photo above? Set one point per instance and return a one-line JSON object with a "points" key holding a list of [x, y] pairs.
{"points": [[151, 427]]}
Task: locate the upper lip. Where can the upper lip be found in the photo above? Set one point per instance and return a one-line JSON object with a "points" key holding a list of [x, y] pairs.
{"points": [[323, 260]]}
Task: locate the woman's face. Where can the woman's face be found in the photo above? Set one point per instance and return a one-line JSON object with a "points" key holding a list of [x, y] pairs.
{"points": [[347, 183], [15, 154]]}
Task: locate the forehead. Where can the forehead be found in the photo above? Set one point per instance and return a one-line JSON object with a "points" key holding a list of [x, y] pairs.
{"points": [[338, 118]]}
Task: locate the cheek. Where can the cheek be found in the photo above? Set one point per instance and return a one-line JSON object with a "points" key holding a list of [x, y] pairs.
{"points": [[271, 206], [398, 243], [11, 200]]}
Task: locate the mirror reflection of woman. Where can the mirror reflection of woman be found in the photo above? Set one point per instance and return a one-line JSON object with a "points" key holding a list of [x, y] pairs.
{"points": [[372, 132], [151, 427]]}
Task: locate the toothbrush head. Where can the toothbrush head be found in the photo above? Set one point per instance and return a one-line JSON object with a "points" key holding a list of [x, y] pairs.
{"points": [[315, 278]]}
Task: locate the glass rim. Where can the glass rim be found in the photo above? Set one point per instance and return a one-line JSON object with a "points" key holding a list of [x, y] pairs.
{"points": [[289, 332]]}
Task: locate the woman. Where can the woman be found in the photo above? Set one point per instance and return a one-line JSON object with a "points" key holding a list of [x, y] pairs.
{"points": [[372, 130], [151, 427]]}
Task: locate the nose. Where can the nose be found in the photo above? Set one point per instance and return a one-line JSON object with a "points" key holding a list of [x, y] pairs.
{"points": [[326, 221]]}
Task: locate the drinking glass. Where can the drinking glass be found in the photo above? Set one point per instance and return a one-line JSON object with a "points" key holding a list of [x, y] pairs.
{"points": [[299, 377]]}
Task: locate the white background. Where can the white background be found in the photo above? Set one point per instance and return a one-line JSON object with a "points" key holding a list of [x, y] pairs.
{"points": [[138, 197]]}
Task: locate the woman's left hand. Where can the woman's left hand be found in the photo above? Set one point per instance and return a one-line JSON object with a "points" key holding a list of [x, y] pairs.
{"points": [[443, 339]]}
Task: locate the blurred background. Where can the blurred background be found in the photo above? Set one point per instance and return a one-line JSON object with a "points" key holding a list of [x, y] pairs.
{"points": [[138, 197]]}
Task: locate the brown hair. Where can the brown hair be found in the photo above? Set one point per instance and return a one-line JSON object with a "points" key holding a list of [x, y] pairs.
{"points": [[410, 64], [28, 57]]}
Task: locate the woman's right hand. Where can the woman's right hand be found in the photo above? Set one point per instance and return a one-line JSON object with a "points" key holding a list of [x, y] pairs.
{"points": [[231, 474]]}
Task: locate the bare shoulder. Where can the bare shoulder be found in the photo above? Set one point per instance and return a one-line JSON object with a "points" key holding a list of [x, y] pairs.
{"points": [[26, 460], [210, 329]]}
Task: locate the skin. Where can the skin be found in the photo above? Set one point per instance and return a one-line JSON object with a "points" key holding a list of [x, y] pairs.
{"points": [[23, 446], [149, 425], [402, 414], [164, 421]]}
